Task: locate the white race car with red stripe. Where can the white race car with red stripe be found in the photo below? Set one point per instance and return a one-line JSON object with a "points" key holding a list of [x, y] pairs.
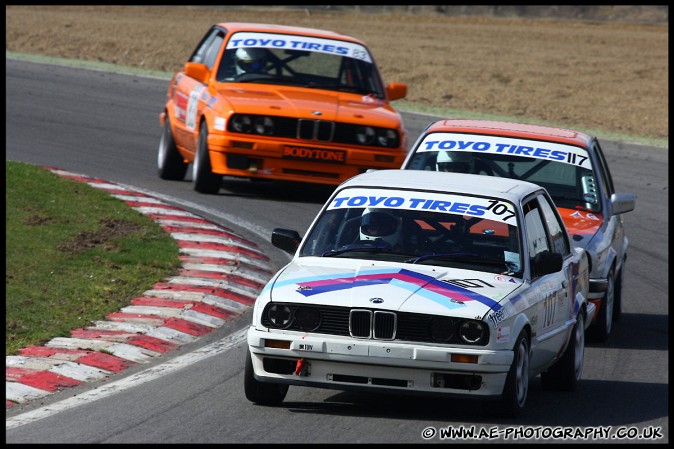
{"points": [[440, 284]]}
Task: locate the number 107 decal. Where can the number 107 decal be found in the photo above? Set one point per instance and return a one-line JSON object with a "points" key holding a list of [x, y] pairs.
{"points": [[499, 208]]}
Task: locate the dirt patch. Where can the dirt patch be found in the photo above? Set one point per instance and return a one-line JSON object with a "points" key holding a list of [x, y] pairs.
{"points": [[604, 76], [109, 230], [38, 220]]}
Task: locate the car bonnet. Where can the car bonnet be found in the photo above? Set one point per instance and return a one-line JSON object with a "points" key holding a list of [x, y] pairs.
{"points": [[308, 103], [581, 225], [400, 287]]}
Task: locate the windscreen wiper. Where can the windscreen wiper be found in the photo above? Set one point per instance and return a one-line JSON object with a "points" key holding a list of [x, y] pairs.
{"points": [[341, 88], [369, 249], [460, 257]]}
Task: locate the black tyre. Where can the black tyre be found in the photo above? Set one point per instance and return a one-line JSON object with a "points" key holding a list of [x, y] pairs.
{"points": [[205, 181], [517, 382], [260, 392], [565, 374], [601, 328], [618, 294], [170, 164]]}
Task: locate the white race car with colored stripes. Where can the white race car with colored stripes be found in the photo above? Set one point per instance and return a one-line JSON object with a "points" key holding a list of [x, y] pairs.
{"points": [[444, 285]]}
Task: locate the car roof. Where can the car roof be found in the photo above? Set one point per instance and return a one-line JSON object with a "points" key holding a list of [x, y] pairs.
{"points": [[509, 129], [284, 29], [509, 189]]}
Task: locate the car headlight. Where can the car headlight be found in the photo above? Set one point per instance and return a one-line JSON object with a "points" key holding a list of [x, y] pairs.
{"points": [[387, 138], [307, 318], [280, 316], [441, 329], [264, 125], [241, 123], [471, 331], [365, 135]]}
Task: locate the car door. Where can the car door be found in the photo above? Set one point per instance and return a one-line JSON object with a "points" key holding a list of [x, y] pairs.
{"points": [[190, 94], [553, 307], [614, 230]]}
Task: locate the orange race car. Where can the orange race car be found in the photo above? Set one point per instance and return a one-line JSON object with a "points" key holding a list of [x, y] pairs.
{"points": [[279, 103]]}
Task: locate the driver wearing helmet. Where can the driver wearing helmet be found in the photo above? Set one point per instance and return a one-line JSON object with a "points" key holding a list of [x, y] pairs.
{"points": [[379, 225], [250, 60], [454, 161]]}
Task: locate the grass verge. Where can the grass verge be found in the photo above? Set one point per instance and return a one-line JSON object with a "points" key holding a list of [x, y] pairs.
{"points": [[73, 255]]}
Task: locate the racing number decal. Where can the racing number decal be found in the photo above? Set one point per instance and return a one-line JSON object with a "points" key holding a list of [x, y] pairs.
{"points": [[191, 119], [549, 308], [499, 208], [359, 54], [571, 158]]}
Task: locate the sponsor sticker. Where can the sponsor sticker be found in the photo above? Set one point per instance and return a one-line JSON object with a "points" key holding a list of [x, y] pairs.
{"points": [[314, 154], [306, 43], [180, 102], [489, 208], [500, 278], [504, 145], [503, 334], [497, 316], [191, 115]]}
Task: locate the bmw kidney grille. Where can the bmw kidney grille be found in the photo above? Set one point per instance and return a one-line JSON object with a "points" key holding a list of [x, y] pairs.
{"points": [[368, 324]]}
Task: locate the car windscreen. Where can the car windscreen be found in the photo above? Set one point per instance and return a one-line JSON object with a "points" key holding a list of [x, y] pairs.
{"points": [[300, 61], [565, 171], [416, 227]]}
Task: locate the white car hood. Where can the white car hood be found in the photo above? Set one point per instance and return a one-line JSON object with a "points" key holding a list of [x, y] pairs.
{"points": [[391, 286]]}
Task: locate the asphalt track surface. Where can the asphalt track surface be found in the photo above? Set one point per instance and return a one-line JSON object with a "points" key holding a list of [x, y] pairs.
{"points": [[105, 126]]}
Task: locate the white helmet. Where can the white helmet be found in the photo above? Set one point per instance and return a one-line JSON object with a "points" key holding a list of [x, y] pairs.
{"points": [[250, 60], [453, 161], [381, 224]]}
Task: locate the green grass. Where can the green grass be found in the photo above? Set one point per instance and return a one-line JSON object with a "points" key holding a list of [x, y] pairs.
{"points": [[73, 254]]}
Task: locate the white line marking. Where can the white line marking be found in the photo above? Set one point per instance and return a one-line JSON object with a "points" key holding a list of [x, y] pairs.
{"points": [[132, 381]]}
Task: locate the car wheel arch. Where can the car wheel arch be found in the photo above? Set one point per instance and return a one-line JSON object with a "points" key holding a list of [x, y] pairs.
{"points": [[516, 386], [583, 311], [201, 121], [612, 267], [618, 291], [520, 324]]}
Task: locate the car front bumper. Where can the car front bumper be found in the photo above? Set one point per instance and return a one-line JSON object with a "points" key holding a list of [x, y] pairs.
{"points": [[598, 288], [326, 361], [266, 159], [596, 294]]}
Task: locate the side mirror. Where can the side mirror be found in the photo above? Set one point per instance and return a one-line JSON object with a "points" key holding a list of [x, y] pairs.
{"points": [[198, 71], [286, 239], [622, 202], [396, 91], [547, 262]]}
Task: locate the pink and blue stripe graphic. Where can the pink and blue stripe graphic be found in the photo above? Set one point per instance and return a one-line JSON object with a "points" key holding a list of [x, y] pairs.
{"points": [[423, 285]]}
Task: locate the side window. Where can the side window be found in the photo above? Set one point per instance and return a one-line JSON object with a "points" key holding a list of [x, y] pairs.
{"points": [[202, 49], [423, 160], [603, 168], [555, 227], [535, 229], [213, 50]]}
